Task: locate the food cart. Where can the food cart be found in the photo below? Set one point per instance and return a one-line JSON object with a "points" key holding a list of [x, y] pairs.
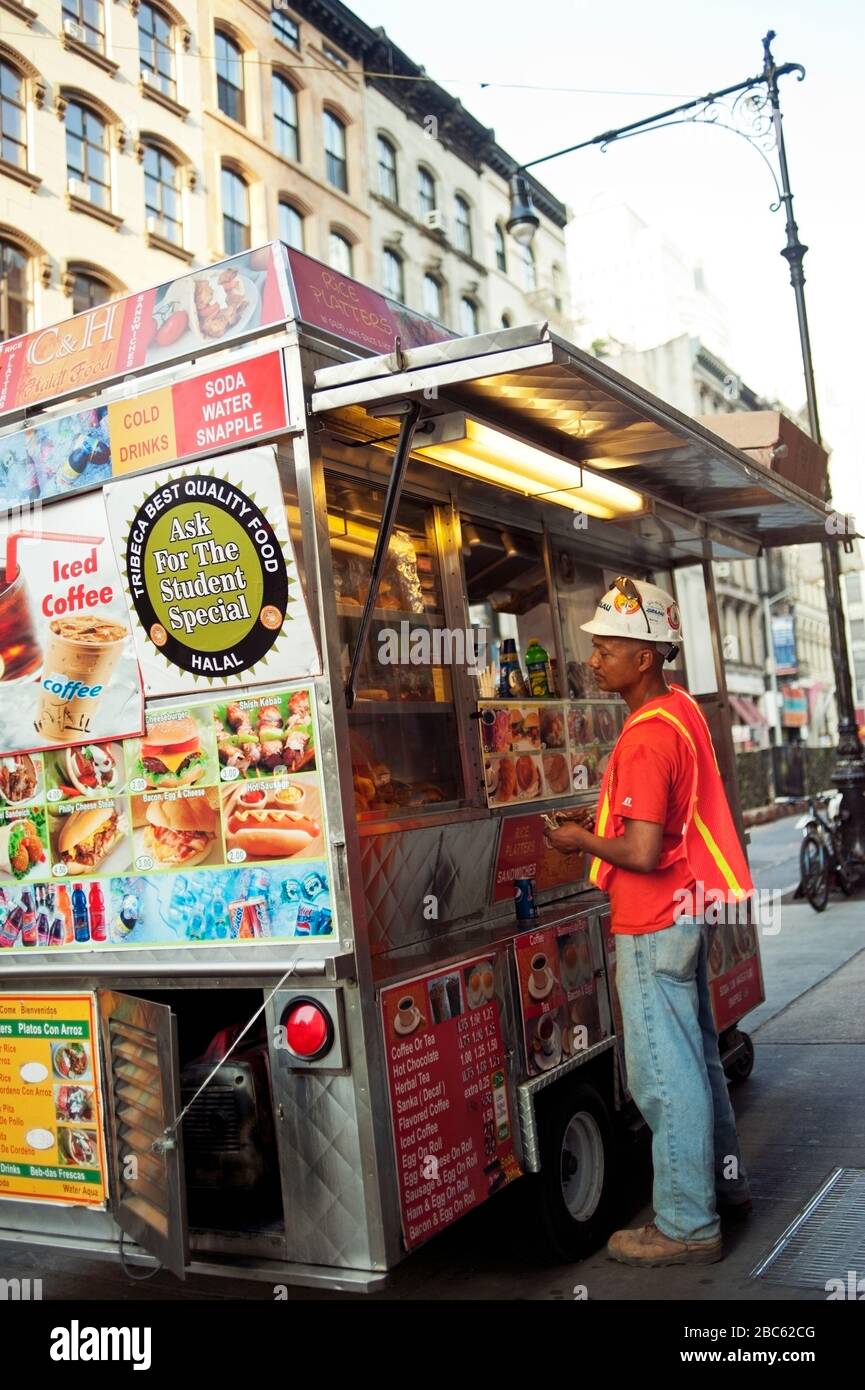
{"points": [[265, 1002]]}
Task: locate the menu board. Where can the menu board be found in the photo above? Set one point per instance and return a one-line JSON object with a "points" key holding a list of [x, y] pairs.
{"points": [[52, 1146], [735, 975], [199, 311], [447, 1081], [209, 827], [351, 310], [522, 852], [534, 751], [215, 599], [68, 670], [563, 1013], [235, 403]]}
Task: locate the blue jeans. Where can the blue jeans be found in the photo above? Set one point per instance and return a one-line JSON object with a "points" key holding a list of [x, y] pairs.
{"points": [[676, 1078]]}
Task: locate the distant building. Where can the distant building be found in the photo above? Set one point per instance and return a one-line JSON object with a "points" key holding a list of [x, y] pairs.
{"points": [[854, 593]]}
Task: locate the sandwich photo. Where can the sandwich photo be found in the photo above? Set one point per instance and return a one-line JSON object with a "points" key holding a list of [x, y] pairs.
{"points": [[91, 769], [88, 837], [268, 831], [180, 833], [171, 755]]}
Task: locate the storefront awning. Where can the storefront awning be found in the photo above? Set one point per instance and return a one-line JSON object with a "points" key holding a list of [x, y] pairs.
{"points": [[746, 711], [529, 382]]}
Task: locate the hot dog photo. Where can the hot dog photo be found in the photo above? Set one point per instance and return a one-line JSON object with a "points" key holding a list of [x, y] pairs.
{"points": [[281, 820]]}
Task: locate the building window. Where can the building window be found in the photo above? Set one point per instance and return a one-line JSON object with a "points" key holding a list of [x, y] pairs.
{"points": [[463, 225], [14, 291], [88, 292], [285, 118], [285, 29], [530, 270], [235, 212], [558, 298], [336, 169], [89, 16], [156, 49], [291, 226], [387, 183], [393, 275], [87, 157], [13, 117], [340, 254], [501, 250], [162, 198], [229, 77], [426, 192], [468, 316], [507, 321], [334, 57], [432, 297]]}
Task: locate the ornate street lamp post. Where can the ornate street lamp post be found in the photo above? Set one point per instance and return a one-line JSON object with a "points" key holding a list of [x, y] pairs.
{"points": [[759, 97]]}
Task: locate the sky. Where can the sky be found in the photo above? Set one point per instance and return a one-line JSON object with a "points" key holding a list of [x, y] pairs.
{"points": [[708, 190]]}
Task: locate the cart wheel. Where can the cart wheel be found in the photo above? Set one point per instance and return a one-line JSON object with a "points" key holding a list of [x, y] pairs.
{"points": [[741, 1069], [814, 868], [575, 1185]]}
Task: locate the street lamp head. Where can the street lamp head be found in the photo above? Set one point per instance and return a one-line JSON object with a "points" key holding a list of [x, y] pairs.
{"points": [[523, 221]]}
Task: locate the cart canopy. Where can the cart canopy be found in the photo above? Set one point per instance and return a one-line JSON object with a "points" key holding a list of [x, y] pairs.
{"points": [[533, 384]]}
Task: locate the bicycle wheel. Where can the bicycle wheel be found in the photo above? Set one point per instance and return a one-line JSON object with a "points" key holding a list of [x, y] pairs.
{"points": [[814, 868], [846, 873]]}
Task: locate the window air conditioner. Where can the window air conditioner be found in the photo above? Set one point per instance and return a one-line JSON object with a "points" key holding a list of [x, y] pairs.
{"points": [[154, 224], [79, 189], [722, 569], [150, 77], [435, 220], [731, 646], [73, 30]]}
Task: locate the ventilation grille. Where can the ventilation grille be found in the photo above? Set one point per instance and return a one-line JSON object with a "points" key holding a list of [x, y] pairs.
{"points": [[825, 1241]]}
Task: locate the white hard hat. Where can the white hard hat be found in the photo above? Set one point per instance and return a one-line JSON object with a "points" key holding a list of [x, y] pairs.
{"points": [[654, 615]]}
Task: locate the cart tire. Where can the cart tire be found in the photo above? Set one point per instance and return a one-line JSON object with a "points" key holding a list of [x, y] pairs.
{"points": [[814, 868], [575, 1187], [741, 1069]]}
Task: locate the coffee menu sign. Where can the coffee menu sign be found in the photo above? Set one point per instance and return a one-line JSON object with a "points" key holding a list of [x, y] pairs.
{"points": [[198, 312], [452, 1126], [211, 579], [68, 671], [563, 1011]]}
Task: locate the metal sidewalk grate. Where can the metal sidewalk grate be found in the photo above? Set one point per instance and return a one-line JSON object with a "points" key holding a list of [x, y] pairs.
{"points": [[827, 1238]]}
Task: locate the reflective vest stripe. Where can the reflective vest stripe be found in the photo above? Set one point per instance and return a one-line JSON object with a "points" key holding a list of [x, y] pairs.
{"points": [[715, 851], [601, 826]]}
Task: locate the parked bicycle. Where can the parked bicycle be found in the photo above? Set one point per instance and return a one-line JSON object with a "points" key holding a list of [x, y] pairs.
{"points": [[823, 862]]}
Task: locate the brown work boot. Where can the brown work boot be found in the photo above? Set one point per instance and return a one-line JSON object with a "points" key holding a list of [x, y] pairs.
{"points": [[649, 1247]]}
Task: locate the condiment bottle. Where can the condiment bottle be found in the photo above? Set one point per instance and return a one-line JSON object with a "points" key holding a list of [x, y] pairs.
{"points": [[538, 667]]}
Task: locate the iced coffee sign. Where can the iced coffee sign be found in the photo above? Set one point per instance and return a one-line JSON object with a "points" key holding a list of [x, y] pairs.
{"points": [[68, 671], [210, 575]]}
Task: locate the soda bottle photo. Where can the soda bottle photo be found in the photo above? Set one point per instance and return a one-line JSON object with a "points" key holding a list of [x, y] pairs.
{"points": [[96, 903], [64, 912], [28, 926], [80, 915]]}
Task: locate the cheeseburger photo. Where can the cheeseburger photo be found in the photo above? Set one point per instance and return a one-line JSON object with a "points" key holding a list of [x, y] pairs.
{"points": [[180, 833], [171, 755]]}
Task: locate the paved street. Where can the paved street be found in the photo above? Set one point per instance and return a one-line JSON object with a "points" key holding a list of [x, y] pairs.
{"points": [[773, 853], [801, 1114]]}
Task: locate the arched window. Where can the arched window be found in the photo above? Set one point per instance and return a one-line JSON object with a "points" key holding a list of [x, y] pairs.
{"points": [[507, 320], [394, 284], [530, 270], [290, 225], [13, 116], [14, 290], [387, 180], [340, 253], [285, 117], [462, 225], [229, 77], [426, 191], [335, 166], [433, 305], [156, 49], [235, 212], [88, 291], [87, 158], [468, 316], [89, 15], [501, 249], [162, 196]]}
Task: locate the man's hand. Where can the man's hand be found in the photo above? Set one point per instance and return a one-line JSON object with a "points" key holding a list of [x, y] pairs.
{"points": [[569, 838], [580, 815]]}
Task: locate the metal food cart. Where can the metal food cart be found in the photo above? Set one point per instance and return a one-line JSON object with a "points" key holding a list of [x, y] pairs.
{"points": [[304, 1091]]}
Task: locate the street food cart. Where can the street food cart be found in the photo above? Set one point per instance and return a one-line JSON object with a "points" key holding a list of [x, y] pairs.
{"points": [[266, 1004]]}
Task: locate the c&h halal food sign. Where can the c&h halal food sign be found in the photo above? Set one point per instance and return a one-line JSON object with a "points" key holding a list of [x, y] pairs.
{"points": [[210, 575]]}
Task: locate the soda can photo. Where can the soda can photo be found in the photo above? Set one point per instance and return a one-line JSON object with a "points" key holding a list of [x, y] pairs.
{"points": [[524, 899], [313, 885], [305, 918]]}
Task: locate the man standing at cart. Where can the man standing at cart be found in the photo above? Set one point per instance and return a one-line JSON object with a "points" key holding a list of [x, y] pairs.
{"points": [[664, 827]]}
